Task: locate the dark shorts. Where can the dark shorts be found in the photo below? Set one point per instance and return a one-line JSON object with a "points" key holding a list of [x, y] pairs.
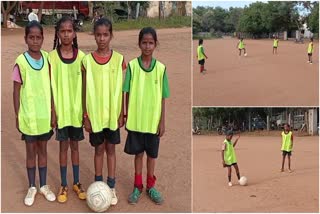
{"points": [[33, 138], [69, 132], [309, 54], [230, 165], [201, 62], [138, 142], [284, 153], [275, 47], [112, 137]]}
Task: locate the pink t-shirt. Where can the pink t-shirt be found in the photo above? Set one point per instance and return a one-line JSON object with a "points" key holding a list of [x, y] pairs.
{"points": [[16, 76]]}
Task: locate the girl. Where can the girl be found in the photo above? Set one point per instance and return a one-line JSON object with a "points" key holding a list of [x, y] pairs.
{"points": [[102, 101], [275, 45], [32, 105], [310, 50], [66, 82], [241, 46], [229, 156], [201, 56], [286, 148], [146, 87]]}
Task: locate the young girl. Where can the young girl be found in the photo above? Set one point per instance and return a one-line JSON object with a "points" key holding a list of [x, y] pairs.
{"points": [[275, 45], [102, 101], [287, 144], [201, 56], [66, 82], [310, 50], [32, 105], [229, 156], [241, 46], [146, 87]]}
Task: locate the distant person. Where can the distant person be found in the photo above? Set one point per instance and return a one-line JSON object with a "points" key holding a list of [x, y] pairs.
{"points": [[201, 56], [310, 51], [286, 148], [241, 46], [275, 45], [229, 156], [32, 16]]}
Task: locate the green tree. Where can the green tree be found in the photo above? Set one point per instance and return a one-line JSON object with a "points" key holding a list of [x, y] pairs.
{"points": [[313, 19]]}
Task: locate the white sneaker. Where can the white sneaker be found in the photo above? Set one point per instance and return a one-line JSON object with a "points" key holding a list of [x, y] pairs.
{"points": [[29, 199], [310, 63], [48, 194], [230, 184], [114, 199]]}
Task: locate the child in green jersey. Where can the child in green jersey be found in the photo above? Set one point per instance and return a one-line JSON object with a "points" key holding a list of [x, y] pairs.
{"points": [[310, 50], [146, 86], [102, 101], [241, 46], [66, 83], [287, 145], [275, 45], [32, 106], [229, 156], [201, 56]]}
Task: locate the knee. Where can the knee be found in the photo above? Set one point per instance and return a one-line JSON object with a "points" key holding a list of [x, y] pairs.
{"points": [[99, 150], [111, 149], [74, 147]]}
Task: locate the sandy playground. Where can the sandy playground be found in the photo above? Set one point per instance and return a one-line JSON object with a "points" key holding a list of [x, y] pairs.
{"points": [[260, 79], [173, 168], [259, 159]]}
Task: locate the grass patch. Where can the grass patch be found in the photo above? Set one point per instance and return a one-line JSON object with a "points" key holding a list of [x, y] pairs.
{"points": [[170, 22]]}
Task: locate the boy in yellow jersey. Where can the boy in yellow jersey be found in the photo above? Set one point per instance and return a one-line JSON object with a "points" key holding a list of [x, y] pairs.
{"points": [[229, 156], [287, 144], [241, 46], [201, 56], [146, 86], [275, 45], [310, 50]]}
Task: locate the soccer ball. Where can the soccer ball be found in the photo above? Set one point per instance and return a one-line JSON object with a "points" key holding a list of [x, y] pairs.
{"points": [[99, 196], [245, 54], [243, 181]]}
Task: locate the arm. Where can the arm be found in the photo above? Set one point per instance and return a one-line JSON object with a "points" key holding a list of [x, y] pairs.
{"points": [[16, 101], [202, 50], [292, 141], [53, 111], [86, 121], [161, 128], [236, 141], [222, 154]]}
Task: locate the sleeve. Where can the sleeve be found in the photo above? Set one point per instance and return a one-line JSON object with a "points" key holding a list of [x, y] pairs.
{"points": [[126, 84], [202, 50], [16, 76], [165, 88]]}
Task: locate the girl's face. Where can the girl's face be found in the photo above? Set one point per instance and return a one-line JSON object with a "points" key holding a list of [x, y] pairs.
{"points": [[102, 36], [34, 39], [229, 137], [147, 44], [66, 33]]}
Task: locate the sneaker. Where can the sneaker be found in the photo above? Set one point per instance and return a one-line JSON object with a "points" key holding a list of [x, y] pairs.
{"points": [[290, 171], [48, 194], [80, 191], [134, 196], [29, 199], [310, 63], [230, 184], [155, 195], [63, 194], [114, 199]]}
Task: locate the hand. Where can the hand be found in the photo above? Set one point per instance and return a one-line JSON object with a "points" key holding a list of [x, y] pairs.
{"points": [[120, 121], [87, 125], [161, 129], [238, 136], [224, 164], [53, 120], [206, 57]]}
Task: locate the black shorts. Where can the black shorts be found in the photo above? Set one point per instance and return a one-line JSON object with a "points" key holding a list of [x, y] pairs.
{"points": [[112, 137], [201, 62], [231, 165], [138, 142], [275, 47], [33, 138], [69, 132], [284, 153], [309, 54]]}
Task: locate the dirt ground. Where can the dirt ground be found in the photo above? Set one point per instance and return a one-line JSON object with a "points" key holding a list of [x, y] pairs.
{"points": [[173, 168], [259, 159], [260, 79]]}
